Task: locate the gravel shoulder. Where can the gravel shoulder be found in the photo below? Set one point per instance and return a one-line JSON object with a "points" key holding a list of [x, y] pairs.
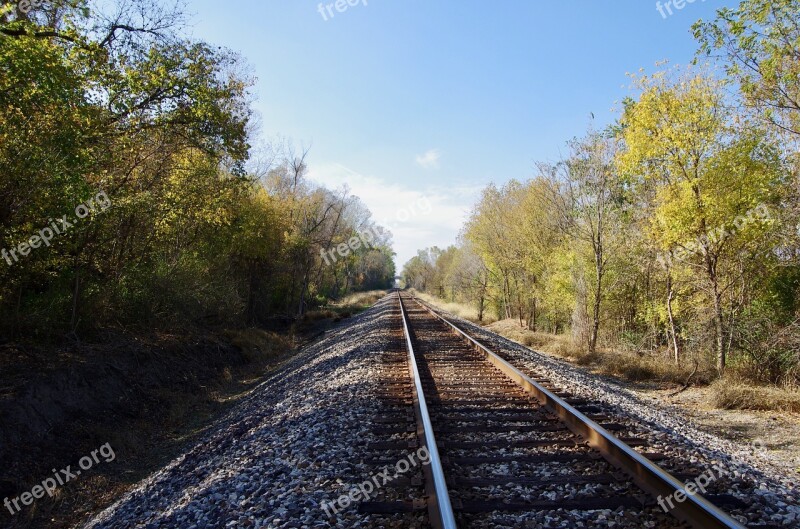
{"points": [[283, 451]]}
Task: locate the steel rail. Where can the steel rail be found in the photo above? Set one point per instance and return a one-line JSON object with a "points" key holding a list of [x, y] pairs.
{"points": [[439, 506], [695, 509]]}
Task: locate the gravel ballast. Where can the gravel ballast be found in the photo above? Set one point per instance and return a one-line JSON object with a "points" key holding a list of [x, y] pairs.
{"points": [[279, 454], [296, 442]]}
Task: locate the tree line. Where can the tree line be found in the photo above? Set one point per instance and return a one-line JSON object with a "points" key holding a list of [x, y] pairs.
{"points": [[676, 230], [201, 228]]}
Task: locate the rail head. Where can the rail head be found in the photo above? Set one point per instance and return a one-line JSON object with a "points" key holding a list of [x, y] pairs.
{"points": [[695, 510], [441, 508]]}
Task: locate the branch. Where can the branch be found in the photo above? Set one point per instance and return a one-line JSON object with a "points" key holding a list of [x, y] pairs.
{"points": [[112, 32], [22, 32]]}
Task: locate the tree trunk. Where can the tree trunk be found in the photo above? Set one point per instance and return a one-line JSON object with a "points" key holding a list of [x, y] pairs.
{"points": [[719, 330], [249, 309], [673, 333], [76, 294], [580, 312], [595, 326], [15, 324], [506, 297], [597, 301], [719, 317], [484, 286], [532, 323], [301, 307]]}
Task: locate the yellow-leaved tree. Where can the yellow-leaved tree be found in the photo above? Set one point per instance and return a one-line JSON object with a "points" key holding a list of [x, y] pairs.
{"points": [[715, 177]]}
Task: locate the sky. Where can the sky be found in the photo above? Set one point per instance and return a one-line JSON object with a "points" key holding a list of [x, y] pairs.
{"points": [[417, 105]]}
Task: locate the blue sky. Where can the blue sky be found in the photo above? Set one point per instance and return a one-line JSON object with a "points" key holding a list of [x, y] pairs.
{"points": [[424, 101]]}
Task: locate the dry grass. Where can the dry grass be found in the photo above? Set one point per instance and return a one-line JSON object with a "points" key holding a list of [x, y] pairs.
{"points": [[360, 300], [536, 340], [462, 310], [636, 368], [258, 344], [649, 368], [316, 315], [729, 394]]}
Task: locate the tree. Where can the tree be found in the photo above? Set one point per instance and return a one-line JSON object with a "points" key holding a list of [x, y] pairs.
{"points": [[123, 103], [709, 170], [588, 195], [760, 42]]}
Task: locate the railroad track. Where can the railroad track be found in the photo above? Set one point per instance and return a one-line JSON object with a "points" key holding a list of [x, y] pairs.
{"points": [[509, 449]]}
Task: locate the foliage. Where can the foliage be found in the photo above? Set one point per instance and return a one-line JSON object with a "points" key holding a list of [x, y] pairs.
{"points": [[759, 41], [95, 100]]}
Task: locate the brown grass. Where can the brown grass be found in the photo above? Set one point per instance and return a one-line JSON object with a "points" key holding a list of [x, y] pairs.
{"points": [[629, 366], [730, 394], [360, 300], [354, 303], [316, 315], [462, 310], [258, 343]]}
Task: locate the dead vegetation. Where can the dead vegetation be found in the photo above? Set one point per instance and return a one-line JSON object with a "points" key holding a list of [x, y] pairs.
{"points": [[629, 366], [462, 310], [258, 343], [316, 322], [729, 394], [359, 301]]}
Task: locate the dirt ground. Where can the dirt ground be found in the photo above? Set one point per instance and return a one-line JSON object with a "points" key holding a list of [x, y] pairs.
{"points": [[778, 431]]}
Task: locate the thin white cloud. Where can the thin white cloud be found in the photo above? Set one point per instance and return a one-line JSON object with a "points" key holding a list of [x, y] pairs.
{"points": [[417, 218], [429, 160]]}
